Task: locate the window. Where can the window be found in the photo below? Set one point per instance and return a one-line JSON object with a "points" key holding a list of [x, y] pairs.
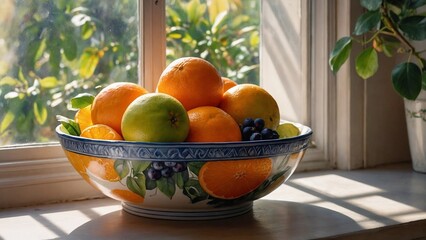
{"points": [[285, 40]]}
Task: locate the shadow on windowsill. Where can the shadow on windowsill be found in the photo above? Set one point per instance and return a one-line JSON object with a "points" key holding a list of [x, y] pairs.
{"points": [[269, 219]]}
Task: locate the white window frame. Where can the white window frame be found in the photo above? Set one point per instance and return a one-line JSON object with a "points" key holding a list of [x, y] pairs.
{"points": [[34, 174]]}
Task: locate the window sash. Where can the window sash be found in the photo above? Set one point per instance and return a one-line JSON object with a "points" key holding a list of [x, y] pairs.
{"points": [[44, 166]]}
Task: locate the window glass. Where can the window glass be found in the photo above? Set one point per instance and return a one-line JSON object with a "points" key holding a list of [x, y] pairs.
{"points": [[51, 50], [224, 32]]}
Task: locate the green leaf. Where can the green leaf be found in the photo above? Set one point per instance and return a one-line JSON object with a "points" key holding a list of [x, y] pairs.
{"points": [[69, 45], [136, 184], [424, 80], [122, 168], [371, 5], [407, 80], [87, 30], [195, 167], [340, 53], [180, 178], [176, 32], [9, 81], [195, 10], [140, 166], [150, 184], [366, 22], [82, 100], [215, 7], [6, 121], [49, 82], [88, 62], [417, 3], [167, 186], [194, 191], [69, 124], [219, 22], [367, 63], [40, 112], [414, 27], [54, 55]]}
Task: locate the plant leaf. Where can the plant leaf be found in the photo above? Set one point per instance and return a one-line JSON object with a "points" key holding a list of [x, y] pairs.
{"points": [[88, 62], [417, 4], [414, 27], [407, 80], [9, 81], [6, 121], [87, 30], [424, 80], [40, 112], [122, 168], [366, 22], [136, 184], [167, 186], [371, 5], [140, 166], [49, 82], [367, 63], [340, 53], [69, 45], [69, 124], [82, 100]]}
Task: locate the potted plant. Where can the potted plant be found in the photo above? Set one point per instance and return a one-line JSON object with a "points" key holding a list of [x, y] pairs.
{"points": [[394, 27]]}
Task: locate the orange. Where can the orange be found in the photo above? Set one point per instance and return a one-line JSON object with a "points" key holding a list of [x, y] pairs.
{"points": [[86, 166], [79, 162], [102, 168], [212, 124], [83, 117], [234, 179], [126, 196], [193, 81], [110, 103], [228, 83], [101, 131], [251, 101]]}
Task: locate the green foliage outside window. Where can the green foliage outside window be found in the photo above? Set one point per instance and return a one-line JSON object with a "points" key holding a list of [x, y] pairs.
{"points": [[61, 48]]}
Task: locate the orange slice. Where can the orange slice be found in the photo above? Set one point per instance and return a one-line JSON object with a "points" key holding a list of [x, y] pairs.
{"points": [[84, 118], [100, 131], [126, 196], [233, 179]]}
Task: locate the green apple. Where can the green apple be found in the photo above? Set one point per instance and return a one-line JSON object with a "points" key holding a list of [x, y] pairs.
{"points": [[155, 117], [286, 130]]}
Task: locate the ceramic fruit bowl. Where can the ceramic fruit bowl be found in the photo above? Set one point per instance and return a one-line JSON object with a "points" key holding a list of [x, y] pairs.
{"points": [[185, 181]]}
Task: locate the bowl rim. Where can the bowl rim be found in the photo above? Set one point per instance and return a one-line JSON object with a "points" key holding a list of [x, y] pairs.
{"points": [[185, 151]]}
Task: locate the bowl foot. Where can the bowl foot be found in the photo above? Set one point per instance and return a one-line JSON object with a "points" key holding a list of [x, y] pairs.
{"points": [[198, 214]]}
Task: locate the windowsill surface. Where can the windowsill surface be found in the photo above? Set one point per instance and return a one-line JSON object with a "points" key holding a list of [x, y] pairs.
{"points": [[386, 202]]}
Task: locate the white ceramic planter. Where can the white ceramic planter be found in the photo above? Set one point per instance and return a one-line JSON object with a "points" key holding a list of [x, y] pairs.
{"points": [[415, 112]]}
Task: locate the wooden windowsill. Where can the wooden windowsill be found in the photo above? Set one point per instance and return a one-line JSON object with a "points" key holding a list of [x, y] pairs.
{"points": [[378, 203]]}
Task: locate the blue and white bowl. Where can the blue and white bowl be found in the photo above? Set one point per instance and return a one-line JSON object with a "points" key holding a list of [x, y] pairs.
{"points": [[185, 181]]}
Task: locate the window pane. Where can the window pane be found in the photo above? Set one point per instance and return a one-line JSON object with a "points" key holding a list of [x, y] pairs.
{"points": [[224, 32], [51, 50]]}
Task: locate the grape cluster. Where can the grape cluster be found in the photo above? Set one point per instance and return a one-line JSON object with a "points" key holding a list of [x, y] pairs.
{"points": [[158, 169], [254, 129]]}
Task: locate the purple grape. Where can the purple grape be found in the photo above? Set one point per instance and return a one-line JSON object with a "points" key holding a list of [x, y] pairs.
{"points": [[179, 167], [248, 122], [157, 165], [247, 132], [267, 133], [259, 124], [154, 174], [169, 164], [167, 172], [256, 136]]}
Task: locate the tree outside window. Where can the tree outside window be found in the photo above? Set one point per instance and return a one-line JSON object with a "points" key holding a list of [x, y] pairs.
{"points": [[52, 50]]}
